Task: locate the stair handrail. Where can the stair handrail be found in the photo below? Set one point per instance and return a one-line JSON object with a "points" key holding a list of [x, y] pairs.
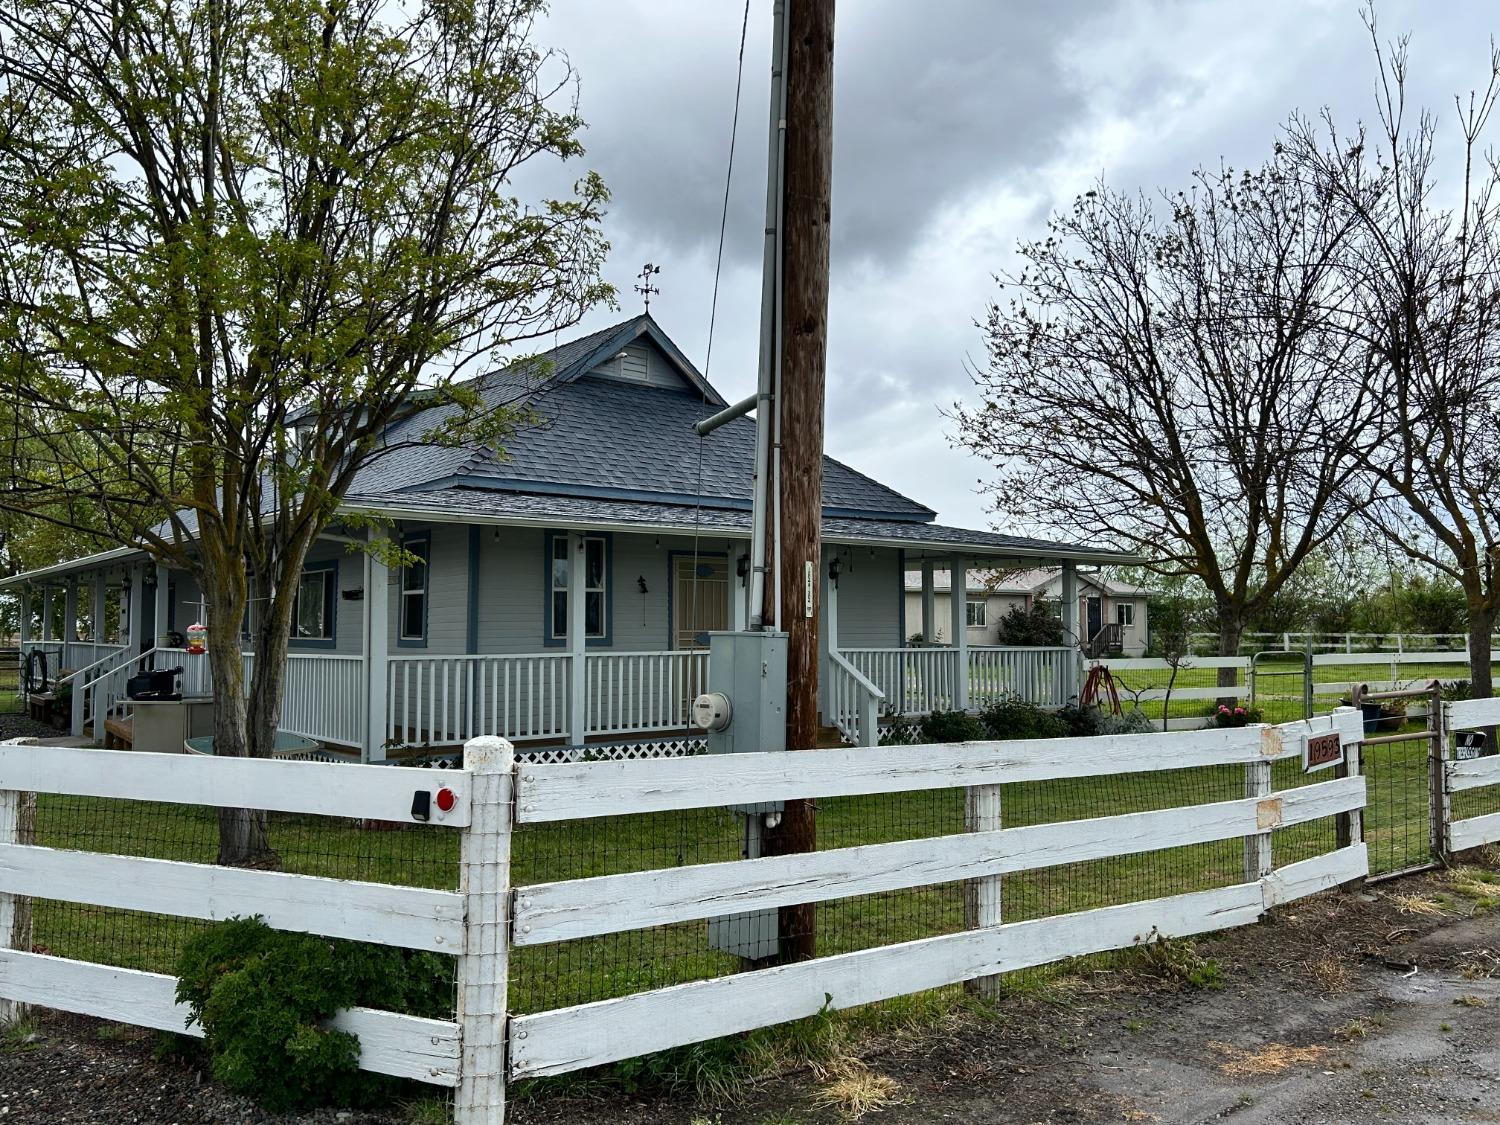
{"points": [[102, 708], [76, 672]]}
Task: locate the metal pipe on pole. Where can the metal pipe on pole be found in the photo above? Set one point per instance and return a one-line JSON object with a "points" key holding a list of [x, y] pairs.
{"points": [[764, 481]]}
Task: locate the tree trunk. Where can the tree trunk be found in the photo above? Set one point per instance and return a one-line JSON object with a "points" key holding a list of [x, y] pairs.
{"points": [[1481, 627], [243, 839], [1231, 628]]}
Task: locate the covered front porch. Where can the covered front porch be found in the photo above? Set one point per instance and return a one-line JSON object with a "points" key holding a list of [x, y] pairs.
{"points": [[474, 639]]}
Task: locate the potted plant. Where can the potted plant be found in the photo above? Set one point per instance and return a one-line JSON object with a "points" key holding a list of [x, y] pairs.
{"points": [[1226, 716], [1392, 715]]}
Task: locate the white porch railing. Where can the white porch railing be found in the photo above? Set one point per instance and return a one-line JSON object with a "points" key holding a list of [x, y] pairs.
{"points": [[914, 681], [445, 700], [1038, 675], [81, 654], [643, 691], [854, 702], [323, 697]]}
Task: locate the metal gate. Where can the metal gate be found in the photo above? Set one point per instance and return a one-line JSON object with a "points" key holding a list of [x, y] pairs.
{"points": [[1281, 685], [1403, 769]]}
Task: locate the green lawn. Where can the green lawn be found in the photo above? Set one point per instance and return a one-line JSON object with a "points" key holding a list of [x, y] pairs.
{"points": [[592, 969]]}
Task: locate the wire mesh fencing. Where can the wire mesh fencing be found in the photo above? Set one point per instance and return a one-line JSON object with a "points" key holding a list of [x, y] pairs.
{"points": [[340, 848], [582, 971]]}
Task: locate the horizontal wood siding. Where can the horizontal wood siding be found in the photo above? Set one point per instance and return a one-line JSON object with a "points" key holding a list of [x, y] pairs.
{"points": [[870, 592], [447, 590], [512, 597]]}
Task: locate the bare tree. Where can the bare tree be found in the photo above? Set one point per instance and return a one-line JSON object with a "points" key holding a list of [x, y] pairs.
{"points": [[1169, 375], [1424, 279], [239, 240]]}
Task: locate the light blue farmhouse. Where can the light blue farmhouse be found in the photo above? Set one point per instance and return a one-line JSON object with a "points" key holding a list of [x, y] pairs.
{"points": [[567, 587]]}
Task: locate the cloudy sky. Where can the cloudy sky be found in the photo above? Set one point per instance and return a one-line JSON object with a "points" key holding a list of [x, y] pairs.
{"points": [[958, 125]]}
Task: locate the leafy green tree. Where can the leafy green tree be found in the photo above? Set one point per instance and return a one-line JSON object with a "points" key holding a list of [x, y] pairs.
{"points": [[1037, 624], [239, 240]]}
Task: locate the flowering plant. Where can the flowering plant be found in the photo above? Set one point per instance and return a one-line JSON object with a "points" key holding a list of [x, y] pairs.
{"points": [[1227, 716]]}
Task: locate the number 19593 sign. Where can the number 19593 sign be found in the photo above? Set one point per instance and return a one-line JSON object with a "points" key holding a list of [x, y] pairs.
{"points": [[1319, 751]]}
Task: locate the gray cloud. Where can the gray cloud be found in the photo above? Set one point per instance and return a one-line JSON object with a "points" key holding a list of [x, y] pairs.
{"points": [[958, 126]]}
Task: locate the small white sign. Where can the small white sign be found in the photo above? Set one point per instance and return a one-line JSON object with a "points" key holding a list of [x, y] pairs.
{"points": [[810, 577]]}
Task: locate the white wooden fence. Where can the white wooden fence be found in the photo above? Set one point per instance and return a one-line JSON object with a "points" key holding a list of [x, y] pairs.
{"points": [[1461, 776], [1393, 663], [411, 917], [479, 1051]]}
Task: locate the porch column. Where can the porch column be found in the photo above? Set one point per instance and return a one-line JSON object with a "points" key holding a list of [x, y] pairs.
{"points": [[929, 605], [377, 657], [25, 618], [958, 584], [828, 638], [577, 640], [46, 614], [135, 621], [100, 631], [70, 614], [1070, 629], [163, 609]]}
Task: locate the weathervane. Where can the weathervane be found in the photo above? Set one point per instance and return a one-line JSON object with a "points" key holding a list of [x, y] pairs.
{"points": [[645, 288]]}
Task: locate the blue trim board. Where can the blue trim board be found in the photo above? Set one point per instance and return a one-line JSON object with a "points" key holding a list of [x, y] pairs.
{"points": [[672, 556], [330, 607], [548, 639], [418, 542], [471, 640]]}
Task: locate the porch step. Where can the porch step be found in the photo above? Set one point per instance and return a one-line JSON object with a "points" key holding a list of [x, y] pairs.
{"points": [[119, 734], [829, 738]]}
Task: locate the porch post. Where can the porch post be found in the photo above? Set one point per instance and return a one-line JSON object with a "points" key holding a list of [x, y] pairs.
{"points": [[46, 614], [377, 656], [136, 620], [929, 605], [577, 640], [100, 631], [163, 600], [70, 614], [1070, 629], [739, 606], [25, 617], [958, 585], [828, 639]]}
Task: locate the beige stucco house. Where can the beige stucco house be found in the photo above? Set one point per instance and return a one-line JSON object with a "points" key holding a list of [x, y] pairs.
{"points": [[1112, 615]]}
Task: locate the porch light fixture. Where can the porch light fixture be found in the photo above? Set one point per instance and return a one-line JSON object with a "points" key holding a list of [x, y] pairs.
{"points": [[640, 581], [834, 569], [742, 567]]}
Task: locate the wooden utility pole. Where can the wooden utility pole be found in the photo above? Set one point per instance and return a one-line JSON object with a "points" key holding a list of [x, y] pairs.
{"points": [[807, 193]]}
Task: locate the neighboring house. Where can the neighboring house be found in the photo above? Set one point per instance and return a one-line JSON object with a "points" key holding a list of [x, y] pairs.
{"points": [[566, 589], [1112, 615]]}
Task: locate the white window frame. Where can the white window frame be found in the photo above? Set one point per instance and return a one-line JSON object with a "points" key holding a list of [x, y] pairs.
{"points": [[555, 635], [1125, 614], [977, 614]]}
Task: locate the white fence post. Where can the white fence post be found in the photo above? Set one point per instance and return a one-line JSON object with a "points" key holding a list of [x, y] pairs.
{"points": [[483, 970], [982, 896], [17, 822], [1258, 846]]}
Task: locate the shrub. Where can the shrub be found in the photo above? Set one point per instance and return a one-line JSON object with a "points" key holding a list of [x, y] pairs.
{"points": [[1014, 717], [951, 726], [262, 995], [1456, 690], [1093, 719], [1041, 624]]}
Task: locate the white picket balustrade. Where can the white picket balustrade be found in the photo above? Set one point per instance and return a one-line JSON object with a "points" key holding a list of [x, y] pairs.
{"points": [[854, 702], [1038, 675], [323, 697], [446, 700], [643, 691], [914, 681]]}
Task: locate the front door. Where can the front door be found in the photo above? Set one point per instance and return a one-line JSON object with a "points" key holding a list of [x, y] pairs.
{"points": [[700, 599], [1096, 619]]}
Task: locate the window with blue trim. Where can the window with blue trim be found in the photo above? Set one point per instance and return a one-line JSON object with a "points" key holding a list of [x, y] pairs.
{"points": [[312, 610], [595, 582], [414, 582]]}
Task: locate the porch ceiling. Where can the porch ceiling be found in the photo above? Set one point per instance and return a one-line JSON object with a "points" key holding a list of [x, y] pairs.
{"points": [[919, 540], [103, 559]]}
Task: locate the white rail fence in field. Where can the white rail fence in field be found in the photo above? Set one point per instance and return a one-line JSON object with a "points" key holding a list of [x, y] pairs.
{"points": [[1341, 642], [1475, 773], [484, 918]]}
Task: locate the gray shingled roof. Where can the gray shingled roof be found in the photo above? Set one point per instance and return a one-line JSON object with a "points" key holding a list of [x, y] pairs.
{"points": [[598, 435], [533, 508]]}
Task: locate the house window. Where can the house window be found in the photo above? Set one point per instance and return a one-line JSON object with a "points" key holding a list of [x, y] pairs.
{"points": [[595, 588], [414, 581], [1125, 613], [312, 611], [977, 614]]}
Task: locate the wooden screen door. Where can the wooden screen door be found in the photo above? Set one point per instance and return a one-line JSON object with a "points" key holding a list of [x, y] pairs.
{"points": [[700, 599]]}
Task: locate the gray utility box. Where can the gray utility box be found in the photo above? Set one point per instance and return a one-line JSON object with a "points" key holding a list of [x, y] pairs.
{"points": [[750, 670]]}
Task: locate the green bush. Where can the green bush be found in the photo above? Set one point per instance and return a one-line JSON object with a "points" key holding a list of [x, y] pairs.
{"points": [[1014, 717], [1084, 722], [262, 995], [951, 726]]}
